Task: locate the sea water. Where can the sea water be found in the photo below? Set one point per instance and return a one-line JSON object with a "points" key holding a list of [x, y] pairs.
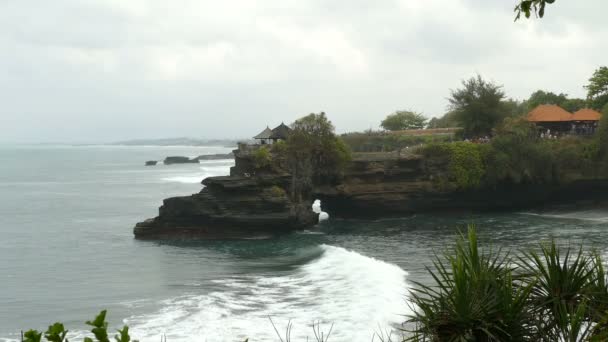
{"points": [[67, 252]]}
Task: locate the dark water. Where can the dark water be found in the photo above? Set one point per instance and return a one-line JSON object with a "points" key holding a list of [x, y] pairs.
{"points": [[67, 251]]}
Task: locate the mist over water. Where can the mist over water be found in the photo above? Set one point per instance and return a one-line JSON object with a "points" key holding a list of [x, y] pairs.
{"points": [[67, 251]]}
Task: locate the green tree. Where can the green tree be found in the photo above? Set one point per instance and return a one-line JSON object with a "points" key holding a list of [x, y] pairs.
{"points": [[541, 97], [403, 119], [478, 106], [448, 120], [573, 105], [529, 7], [602, 134], [315, 154], [597, 89]]}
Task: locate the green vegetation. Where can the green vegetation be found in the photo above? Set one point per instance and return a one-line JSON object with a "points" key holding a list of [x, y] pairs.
{"points": [[516, 155], [602, 136], [478, 106], [597, 89], [402, 120], [262, 158], [448, 120], [464, 160], [485, 295], [529, 7], [386, 142], [314, 153], [58, 333], [540, 97]]}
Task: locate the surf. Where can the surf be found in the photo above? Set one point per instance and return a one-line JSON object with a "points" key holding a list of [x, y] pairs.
{"points": [[357, 294]]}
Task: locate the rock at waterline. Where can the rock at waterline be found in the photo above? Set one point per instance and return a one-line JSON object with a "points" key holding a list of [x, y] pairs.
{"points": [[151, 162], [179, 160], [218, 156]]}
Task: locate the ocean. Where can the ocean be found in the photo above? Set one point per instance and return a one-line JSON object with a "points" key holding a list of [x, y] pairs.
{"points": [[67, 251]]}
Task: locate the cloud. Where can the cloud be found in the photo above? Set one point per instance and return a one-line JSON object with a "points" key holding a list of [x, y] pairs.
{"points": [[101, 70]]}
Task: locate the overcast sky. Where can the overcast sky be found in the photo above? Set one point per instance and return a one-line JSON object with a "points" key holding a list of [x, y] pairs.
{"points": [[106, 70]]}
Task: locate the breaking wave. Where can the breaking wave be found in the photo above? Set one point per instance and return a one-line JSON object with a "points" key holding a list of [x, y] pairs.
{"points": [[208, 169], [358, 294]]}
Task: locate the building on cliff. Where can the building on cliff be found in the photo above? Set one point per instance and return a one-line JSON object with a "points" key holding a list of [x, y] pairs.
{"points": [[270, 136], [264, 137], [554, 119]]}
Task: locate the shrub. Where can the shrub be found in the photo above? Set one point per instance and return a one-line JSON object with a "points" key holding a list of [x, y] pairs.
{"points": [[262, 157], [58, 333], [486, 296], [464, 162], [277, 191]]}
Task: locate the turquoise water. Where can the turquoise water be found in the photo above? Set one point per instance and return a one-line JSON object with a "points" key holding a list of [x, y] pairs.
{"points": [[67, 251]]}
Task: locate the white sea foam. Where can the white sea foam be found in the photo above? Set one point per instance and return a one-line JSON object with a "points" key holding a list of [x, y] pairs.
{"points": [[358, 294], [206, 170], [600, 216], [316, 208]]}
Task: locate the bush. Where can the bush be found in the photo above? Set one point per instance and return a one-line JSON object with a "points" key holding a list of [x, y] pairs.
{"points": [[490, 296], [464, 162], [262, 157], [277, 191], [58, 333]]}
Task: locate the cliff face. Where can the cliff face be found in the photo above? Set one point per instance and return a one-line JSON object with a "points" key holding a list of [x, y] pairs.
{"points": [[383, 185], [252, 202], [240, 205]]}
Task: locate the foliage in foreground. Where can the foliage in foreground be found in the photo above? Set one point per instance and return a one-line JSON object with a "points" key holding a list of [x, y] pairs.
{"points": [[58, 333], [479, 295]]}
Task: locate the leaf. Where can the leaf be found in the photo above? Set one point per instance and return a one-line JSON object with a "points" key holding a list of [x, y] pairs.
{"points": [[56, 333], [32, 336], [100, 327], [123, 335], [99, 320]]}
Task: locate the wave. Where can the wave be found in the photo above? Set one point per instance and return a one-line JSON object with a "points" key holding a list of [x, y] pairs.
{"points": [[185, 179], [358, 294], [599, 216], [197, 177]]}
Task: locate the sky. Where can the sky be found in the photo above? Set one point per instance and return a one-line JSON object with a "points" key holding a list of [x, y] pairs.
{"points": [[91, 71]]}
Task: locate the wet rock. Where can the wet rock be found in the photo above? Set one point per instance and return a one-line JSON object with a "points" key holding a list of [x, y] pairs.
{"points": [[179, 160]]}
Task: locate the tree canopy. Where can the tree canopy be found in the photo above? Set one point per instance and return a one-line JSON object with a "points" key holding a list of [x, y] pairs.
{"points": [[403, 119], [540, 97], [597, 89], [315, 154], [448, 120], [478, 106], [529, 7]]}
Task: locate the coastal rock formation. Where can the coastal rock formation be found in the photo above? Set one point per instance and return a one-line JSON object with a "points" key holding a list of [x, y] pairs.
{"points": [[179, 160], [218, 156], [253, 202], [151, 162], [381, 185], [230, 207]]}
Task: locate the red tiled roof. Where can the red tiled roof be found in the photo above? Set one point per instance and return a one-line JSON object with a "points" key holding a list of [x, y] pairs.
{"points": [[549, 113], [586, 114]]}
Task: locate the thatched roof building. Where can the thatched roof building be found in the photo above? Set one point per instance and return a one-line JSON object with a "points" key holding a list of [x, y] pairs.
{"points": [[549, 113], [264, 136], [281, 132], [586, 114]]}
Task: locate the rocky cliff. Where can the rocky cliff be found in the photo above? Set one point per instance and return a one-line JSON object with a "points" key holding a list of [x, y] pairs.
{"points": [[254, 201], [380, 185], [244, 204]]}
